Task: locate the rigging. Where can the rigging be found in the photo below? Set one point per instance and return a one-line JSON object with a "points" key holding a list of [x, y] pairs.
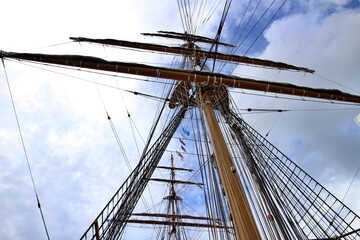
{"points": [[284, 200], [26, 154]]}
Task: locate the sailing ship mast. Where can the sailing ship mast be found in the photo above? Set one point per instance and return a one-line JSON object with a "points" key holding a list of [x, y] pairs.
{"points": [[284, 193], [174, 220], [210, 95]]}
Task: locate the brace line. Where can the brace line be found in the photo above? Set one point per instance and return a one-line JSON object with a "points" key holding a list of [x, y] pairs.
{"points": [[25, 152]]}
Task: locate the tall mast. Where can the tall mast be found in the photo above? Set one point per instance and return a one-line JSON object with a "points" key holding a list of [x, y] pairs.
{"points": [[243, 221], [172, 198], [174, 219], [283, 186]]}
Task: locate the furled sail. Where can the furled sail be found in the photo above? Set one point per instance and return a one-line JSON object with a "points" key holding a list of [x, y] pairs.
{"points": [[202, 78]]}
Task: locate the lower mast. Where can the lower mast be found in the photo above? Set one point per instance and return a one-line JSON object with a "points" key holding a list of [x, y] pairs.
{"points": [[243, 221]]}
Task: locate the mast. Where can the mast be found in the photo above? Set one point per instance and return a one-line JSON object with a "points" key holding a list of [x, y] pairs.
{"points": [[243, 221], [173, 219], [172, 198], [276, 175]]}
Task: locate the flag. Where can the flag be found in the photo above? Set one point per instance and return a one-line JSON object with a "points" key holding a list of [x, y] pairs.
{"points": [[180, 154], [182, 142], [186, 131], [182, 147]]}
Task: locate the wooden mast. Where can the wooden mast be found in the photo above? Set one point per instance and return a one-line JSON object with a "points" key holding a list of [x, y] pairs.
{"points": [[243, 221], [173, 218]]}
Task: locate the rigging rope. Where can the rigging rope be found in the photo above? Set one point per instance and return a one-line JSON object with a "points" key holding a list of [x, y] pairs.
{"points": [[105, 85], [347, 191], [262, 31], [122, 150], [239, 25], [87, 71], [259, 110], [204, 175], [52, 45], [182, 17], [295, 99], [129, 117], [247, 23], [210, 13], [25, 152], [216, 204], [217, 37], [132, 123], [327, 79], [266, 24], [251, 30]]}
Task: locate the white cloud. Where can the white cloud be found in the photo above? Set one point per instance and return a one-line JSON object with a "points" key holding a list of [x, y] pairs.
{"points": [[324, 143], [330, 44]]}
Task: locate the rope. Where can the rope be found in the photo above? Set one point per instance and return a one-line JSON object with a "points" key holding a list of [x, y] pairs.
{"points": [[327, 79], [347, 191], [352, 181], [25, 152], [258, 110], [257, 22], [210, 13], [247, 23], [87, 71], [52, 45], [217, 37], [296, 99], [272, 18], [251, 30]]}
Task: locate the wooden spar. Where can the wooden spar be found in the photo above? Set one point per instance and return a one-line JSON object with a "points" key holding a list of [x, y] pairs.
{"points": [[186, 37], [202, 78], [177, 216], [242, 218], [195, 53], [175, 168], [173, 181], [177, 224]]}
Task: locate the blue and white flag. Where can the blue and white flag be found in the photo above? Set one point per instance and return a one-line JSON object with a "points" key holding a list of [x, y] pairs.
{"points": [[186, 131], [182, 142], [182, 147]]}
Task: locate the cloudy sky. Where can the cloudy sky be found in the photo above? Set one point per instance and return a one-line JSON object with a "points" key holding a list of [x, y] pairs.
{"points": [[75, 161]]}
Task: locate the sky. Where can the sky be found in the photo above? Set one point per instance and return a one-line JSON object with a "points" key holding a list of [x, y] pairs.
{"points": [[75, 161]]}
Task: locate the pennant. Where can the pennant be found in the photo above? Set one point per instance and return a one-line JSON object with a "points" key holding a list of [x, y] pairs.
{"points": [[180, 154], [186, 131], [182, 147], [182, 142]]}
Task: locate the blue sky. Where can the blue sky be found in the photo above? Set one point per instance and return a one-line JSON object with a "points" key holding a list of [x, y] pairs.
{"points": [[73, 154]]}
